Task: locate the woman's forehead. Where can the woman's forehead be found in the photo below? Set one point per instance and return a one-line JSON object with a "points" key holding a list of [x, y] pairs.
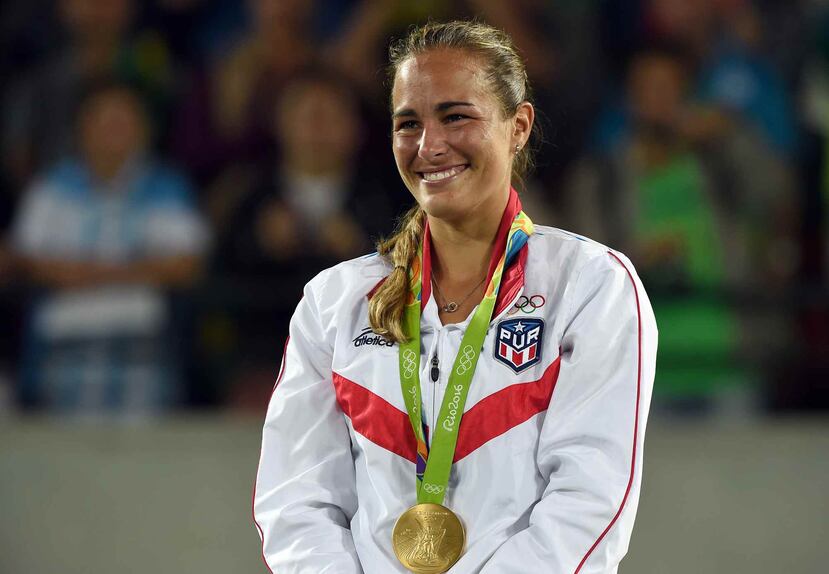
{"points": [[439, 75]]}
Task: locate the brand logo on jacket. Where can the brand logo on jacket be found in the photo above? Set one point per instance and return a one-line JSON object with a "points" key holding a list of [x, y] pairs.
{"points": [[367, 337], [518, 343]]}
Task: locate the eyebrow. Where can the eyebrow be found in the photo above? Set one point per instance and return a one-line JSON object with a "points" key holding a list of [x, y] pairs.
{"points": [[408, 112]]}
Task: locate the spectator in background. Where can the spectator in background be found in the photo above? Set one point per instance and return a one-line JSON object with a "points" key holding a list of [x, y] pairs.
{"points": [[815, 109], [802, 381], [37, 127], [194, 30], [702, 209], [725, 38], [224, 116], [732, 79], [306, 209], [312, 201], [104, 235]]}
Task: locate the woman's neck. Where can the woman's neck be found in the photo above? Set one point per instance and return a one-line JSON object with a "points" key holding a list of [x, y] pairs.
{"points": [[462, 248], [461, 253]]}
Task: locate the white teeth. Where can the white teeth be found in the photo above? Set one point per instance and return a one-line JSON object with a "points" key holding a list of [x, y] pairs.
{"points": [[439, 175]]}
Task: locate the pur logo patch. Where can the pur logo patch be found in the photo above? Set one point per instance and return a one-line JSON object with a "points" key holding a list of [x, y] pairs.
{"points": [[518, 343]]}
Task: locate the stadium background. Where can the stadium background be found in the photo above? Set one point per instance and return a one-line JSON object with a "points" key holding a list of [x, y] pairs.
{"points": [[173, 171]]}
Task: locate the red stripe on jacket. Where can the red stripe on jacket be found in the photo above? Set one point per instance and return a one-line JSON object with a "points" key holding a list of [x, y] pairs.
{"points": [[388, 427], [375, 418], [501, 411]]}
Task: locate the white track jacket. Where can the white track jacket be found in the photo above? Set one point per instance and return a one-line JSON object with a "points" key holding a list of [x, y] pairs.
{"points": [[549, 458]]}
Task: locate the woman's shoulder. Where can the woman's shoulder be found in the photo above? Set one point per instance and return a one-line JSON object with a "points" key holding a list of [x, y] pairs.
{"points": [[349, 279], [564, 257], [554, 244]]}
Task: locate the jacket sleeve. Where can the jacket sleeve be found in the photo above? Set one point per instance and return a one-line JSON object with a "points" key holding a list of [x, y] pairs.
{"points": [[590, 448], [305, 495]]}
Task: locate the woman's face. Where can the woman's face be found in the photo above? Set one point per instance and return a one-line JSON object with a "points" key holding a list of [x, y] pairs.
{"points": [[452, 146]]}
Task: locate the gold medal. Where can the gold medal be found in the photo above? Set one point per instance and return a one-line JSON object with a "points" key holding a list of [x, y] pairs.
{"points": [[428, 538]]}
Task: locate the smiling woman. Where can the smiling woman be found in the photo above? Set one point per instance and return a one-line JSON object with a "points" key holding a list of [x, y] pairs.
{"points": [[444, 449], [454, 154], [461, 121]]}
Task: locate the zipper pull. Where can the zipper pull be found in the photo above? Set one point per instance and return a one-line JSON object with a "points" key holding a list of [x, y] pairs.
{"points": [[435, 373]]}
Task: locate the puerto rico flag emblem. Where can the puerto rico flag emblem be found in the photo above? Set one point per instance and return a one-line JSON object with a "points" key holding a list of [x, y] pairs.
{"points": [[518, 343]]}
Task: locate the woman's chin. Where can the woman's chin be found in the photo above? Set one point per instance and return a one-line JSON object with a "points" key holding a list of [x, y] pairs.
{"points": [[443, 207]]}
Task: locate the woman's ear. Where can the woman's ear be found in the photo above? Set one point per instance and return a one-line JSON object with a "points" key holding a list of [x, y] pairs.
{"points": [[523, 124]]}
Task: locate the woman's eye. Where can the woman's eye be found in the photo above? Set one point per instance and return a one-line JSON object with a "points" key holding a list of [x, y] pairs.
{"points": [[455, 117], [407, 125]]}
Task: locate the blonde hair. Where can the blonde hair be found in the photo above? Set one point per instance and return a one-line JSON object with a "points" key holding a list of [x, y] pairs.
{"points": [[507, 78]]}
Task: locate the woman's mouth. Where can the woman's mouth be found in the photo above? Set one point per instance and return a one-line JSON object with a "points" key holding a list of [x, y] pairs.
{"points": [[441, 176]]}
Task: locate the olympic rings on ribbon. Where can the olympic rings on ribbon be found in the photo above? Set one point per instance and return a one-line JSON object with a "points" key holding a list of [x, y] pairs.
{"points": [[432, 488], [465, 362], [532, 303], [408, 363]]}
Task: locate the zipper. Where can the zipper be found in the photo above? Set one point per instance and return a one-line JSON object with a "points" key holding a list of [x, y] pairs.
{"points": [[434, 375]]}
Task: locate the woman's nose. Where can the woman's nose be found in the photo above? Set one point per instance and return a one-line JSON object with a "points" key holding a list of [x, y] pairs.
{"points": [[432, 142]]}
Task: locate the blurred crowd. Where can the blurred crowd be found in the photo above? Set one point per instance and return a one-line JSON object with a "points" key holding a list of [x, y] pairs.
{"points": [[174, 171]]}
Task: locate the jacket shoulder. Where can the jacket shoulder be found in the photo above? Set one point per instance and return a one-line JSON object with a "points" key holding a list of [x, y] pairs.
{"points": [[344, 285], [569, 253]]}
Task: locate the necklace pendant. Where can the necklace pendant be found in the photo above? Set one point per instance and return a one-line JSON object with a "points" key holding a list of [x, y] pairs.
{"points": [[450, 307]]}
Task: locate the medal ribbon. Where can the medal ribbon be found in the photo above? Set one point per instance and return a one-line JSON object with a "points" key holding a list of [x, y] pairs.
{"points": [[433, 465]]}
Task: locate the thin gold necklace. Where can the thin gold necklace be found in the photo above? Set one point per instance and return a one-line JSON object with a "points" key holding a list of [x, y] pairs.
{"points": [[451, 306]]}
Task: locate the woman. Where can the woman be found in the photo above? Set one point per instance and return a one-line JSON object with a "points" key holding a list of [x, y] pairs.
{"points": [[414, 425]]}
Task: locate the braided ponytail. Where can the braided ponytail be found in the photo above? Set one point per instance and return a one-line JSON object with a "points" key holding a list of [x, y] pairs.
{"points": [[385, 310]]}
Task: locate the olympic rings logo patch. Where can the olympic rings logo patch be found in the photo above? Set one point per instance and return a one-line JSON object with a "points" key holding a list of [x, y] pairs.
{"points": [[408, 363], [432, 488], [465, 362], [528, 305]]}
